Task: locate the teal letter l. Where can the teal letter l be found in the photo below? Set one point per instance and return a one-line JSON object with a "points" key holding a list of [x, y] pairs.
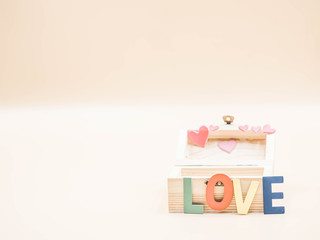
{"points": [[187, 198]]}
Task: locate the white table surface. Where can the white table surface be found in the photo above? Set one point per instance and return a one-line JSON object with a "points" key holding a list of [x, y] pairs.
{"points": [[101, 173]]}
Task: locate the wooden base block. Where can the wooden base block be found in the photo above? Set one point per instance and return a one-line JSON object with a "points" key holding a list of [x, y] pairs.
{"points": [[175, 194]]}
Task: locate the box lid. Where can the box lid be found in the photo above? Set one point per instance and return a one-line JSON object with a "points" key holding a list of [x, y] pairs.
{"points": [[229, 145]]}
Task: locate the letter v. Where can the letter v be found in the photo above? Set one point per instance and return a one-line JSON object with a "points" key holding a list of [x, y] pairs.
{"points": [[243, 207]]}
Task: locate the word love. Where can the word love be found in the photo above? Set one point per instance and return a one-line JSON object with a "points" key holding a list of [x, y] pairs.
{"points": [[233, 187]]}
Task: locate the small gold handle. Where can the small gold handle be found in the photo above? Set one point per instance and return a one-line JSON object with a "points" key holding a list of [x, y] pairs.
{"points": [[228, 119]]}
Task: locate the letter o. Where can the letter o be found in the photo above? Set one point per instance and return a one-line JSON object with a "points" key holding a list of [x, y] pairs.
{"points": [[228, 192]]}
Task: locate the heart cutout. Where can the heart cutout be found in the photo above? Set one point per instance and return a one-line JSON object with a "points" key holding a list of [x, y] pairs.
{"points": [[244, 128], [200, 137], [267, 129], [213, 128], [227, 146], [256, 129]]}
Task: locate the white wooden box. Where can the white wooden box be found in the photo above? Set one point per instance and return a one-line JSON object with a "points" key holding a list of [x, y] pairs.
{"points": [[251, 159]]}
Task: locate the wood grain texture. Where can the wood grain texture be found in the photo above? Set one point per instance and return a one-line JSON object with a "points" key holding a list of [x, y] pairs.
{"points": [[244, 150], [237, 134], [230, 171], [175, 194]]}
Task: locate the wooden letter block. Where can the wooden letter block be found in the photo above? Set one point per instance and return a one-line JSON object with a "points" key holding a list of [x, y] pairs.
{"points": [[268, 195], [187, 198], [243, 207], [228, 192]]}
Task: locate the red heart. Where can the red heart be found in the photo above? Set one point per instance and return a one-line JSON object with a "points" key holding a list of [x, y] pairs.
{"points": [[200, 137], [268, 129]]}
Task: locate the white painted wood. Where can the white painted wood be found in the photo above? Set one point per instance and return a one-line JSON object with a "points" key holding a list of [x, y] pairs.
{"points": [[270, 150], [247, 154]]}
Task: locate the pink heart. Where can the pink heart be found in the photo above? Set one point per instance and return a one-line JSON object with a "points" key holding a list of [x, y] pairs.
{"points": [[213, 128], [268, 129], [227, 146], [256, 129], [244, 128], [200, 137]]}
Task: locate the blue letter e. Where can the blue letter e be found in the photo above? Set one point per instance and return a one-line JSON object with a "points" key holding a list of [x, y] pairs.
{"points": [[268, 195]]}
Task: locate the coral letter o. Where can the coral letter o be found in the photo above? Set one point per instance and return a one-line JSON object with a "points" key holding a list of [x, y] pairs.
{"points": [[228, 192]]}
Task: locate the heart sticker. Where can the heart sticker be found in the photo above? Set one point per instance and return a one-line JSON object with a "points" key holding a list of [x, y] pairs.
{"points": [[256, 129], [244, 128], [200, 137], [213, 128], [267, 129], [227, 146]]}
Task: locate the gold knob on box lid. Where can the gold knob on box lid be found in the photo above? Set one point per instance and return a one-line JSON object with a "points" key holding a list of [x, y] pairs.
{"points": [[228, 119]]}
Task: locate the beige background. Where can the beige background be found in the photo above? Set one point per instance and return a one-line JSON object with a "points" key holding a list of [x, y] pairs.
{"points": [[93, 94], [65, 51]]}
